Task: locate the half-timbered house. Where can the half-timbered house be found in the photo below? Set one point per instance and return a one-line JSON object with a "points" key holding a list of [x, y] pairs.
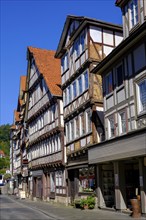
{"points": [[84, 43], [46, 155], [17, 142], [121, 159]]}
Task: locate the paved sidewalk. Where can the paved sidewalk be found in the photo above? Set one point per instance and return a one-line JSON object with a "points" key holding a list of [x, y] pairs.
{"points": [[61, 212]]}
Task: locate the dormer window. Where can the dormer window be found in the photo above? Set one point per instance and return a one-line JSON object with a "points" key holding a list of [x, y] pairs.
{"points": [[133, 7]]}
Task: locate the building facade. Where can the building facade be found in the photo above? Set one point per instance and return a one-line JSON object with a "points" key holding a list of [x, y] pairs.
{"points": [[121, 159], [17, 143], [84, 43], [44, 119]]}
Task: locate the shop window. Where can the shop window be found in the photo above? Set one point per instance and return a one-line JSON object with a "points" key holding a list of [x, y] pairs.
{"points": [[87, 179]]}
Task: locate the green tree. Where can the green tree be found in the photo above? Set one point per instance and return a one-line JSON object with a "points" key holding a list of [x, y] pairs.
{"points": [[5, 147]]}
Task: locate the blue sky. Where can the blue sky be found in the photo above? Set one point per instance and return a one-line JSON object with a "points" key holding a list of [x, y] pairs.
{"points": [[37, 23]]}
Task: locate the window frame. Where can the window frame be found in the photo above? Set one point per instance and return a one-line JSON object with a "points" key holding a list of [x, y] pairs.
{"points": [[111, 117], [139, 104], [108, 90], [121, 131], [133, 13]]}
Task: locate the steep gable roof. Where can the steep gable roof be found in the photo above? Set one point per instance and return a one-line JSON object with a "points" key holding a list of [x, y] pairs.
{"points": [[49, 67], [82, 21]]}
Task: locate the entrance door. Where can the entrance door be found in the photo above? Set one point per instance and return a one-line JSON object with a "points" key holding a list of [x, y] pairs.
{"points": [[71, 185], [52, 185], [131, 182]]}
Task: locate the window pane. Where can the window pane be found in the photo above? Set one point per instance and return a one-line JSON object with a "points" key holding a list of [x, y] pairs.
{"points": [[109, 83], [142, 96], [74, 89], [76, 127], [111, 127], [82, 42], [82, 125], [86, 80], [119, 75], [123, 122], [80, 85]]}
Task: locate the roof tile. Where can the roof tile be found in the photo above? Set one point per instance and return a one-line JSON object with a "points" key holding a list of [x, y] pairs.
{"points": [[49, 67]]}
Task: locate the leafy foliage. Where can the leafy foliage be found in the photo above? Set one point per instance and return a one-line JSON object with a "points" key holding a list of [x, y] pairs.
{"points": [[7, 176], [5, 138], [5, 147]]}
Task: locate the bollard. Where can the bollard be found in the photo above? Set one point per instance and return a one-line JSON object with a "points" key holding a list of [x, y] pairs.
{"points": [[136, 210]]}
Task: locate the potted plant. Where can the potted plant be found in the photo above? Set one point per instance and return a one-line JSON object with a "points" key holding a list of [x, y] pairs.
{"points": [[91, 202], [84, 203]]}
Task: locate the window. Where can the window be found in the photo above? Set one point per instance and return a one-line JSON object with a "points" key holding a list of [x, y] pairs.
{"points": [[76, 127], [85, 80], [111, 129], [74, 90], [77, 49], [80, 85], [119, 74], [67, 132], [122, 122], [82, 124], [88, 121], [141, 96], [69, 94], [87, 179], [52, 182], [133, 5], [64, 63], [109, 83], [72, 130], [82, 42]]}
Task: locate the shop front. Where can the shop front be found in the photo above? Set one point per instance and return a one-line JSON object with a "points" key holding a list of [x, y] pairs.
{"points": [[121, 171], [82, 182]]}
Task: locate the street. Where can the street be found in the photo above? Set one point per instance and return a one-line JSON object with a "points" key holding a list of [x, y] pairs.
{"points": [[22, 209]]}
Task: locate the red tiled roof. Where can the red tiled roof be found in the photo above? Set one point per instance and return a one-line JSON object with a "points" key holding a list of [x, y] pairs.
{"points": [[49, 67], [23, 82]]}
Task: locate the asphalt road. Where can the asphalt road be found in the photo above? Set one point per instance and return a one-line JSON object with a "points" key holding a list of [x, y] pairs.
{"points": [[10, 209], [14, 208]]}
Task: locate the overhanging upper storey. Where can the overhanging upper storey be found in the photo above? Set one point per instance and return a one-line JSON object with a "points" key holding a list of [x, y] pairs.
{"points": [[73, 26]]}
